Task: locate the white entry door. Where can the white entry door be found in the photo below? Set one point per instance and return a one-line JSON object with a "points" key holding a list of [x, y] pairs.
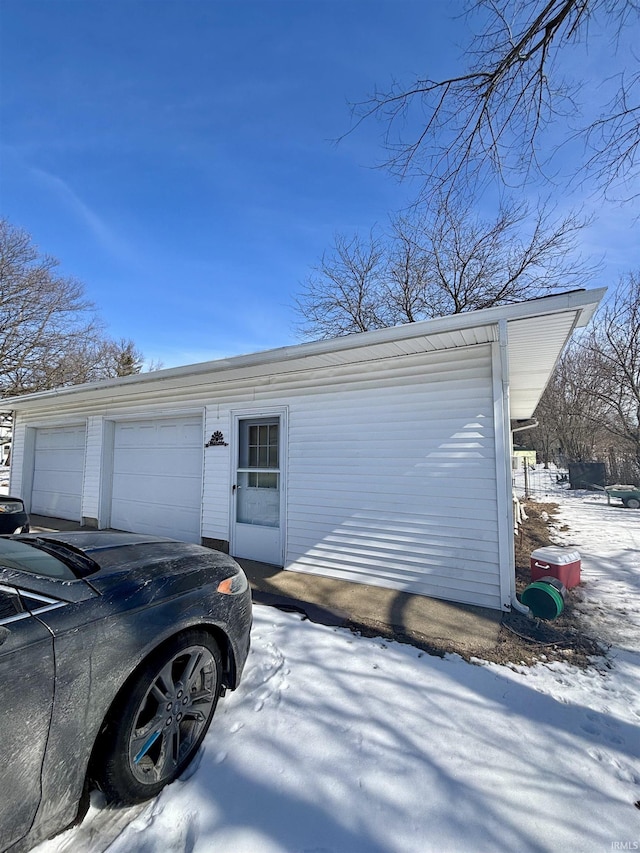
{"points": [[257, 490]]}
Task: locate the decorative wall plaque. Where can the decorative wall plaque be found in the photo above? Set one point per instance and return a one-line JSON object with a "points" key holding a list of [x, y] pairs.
{"points": [[217, 440]]}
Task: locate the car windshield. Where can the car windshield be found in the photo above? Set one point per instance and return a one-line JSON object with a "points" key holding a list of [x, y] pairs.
{"points": [[30, 557]]}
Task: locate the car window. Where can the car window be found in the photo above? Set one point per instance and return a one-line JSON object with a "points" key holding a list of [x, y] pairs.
{"points": [[9, 604], [20, 604], [27, 558]]}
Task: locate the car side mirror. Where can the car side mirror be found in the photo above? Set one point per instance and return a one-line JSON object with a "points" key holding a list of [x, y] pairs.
{"points": [[4, 633]]}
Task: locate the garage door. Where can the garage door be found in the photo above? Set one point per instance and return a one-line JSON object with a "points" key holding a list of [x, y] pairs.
{"points": [[58, 472], [157, 477]]}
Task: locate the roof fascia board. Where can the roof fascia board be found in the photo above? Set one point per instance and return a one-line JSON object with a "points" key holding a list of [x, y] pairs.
{"points": [[584, 302]]}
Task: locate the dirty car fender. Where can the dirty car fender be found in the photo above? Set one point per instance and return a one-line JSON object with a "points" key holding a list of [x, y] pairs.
{"points": [[95, 660]]}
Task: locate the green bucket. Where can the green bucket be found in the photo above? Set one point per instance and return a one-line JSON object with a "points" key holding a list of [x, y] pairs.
{"points": [[545, 598]]}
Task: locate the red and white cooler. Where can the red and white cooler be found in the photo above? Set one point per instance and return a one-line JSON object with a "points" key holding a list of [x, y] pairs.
{"points": [[557, 562]]}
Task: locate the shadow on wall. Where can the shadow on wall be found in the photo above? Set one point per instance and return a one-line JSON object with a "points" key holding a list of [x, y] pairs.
{"points": [[428, 524]]}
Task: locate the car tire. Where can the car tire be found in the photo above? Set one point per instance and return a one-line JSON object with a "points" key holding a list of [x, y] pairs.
{"points": [[632, 503], [157, 725]]}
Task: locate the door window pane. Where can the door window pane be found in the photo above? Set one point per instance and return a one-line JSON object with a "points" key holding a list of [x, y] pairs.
{"points": [[261, 480], [259, 444], [258, 504]]}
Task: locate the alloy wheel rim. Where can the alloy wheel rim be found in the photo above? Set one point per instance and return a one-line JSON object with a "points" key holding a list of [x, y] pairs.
{"points": [[172, 715]]}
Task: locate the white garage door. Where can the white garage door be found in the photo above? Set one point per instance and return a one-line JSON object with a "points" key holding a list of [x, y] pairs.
{"points": [[58, 472], [157, 477]]}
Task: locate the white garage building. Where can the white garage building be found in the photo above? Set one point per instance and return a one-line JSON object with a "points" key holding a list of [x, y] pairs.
{"points": [[381, 458]]}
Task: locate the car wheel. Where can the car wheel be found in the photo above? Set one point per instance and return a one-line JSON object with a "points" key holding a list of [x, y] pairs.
{"points": [[155, 730], [632, 503]]}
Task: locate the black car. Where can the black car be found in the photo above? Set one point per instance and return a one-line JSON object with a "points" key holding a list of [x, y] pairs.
{"points": [[114, 650], [13, 516]]}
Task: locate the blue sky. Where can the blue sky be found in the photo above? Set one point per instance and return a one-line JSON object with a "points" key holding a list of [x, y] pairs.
{"points": [[177, 157]]}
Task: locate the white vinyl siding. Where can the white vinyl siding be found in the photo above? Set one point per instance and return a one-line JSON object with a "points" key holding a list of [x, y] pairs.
{"points": [[93, 456], [21, 453], [58, 472], [391, 476], [394, 485], [157, 477], [217, 479]]}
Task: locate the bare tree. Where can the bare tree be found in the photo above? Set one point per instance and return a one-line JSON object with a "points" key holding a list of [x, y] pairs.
{"points": [[41, 313], [491, 118], [406, 291], [89, 360], [475, 263], [612, 364], [572, 427], [590, 410], [441, 260], [49, 332], [345, 293]]}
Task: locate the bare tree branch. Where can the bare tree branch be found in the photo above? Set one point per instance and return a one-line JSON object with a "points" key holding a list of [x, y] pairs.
{"points": [[344, 293], [50, 334], [591, 409], [613, 374], [490, 119], [437, 261]]}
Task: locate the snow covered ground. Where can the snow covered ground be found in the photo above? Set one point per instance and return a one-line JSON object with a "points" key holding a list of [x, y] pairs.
{"points": [[609, 537], [339, 743]]}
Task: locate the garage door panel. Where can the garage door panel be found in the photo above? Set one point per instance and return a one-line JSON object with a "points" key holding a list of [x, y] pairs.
{"points": [[64, 482], [59, 462], [156, 521], [163, 436], [58, 472], [161, 462], [188, 434], [60, 438], [157, 477], [142, 461], [158, 489], [57, 505]]}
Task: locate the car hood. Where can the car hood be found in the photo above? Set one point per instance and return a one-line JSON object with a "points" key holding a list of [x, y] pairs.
{"points": [[132, 558], [91, 542]]}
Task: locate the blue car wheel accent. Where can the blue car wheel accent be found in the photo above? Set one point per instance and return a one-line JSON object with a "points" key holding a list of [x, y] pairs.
{"points": [[154, 737]]}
